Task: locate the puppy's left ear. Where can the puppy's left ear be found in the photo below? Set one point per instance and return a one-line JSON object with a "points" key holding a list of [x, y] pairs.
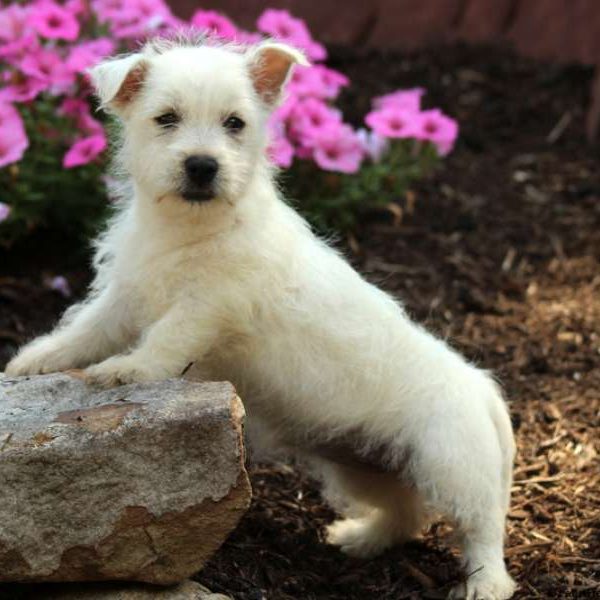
{"points": [[270, 65]]}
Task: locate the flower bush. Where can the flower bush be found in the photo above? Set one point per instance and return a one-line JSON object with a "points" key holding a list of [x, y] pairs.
{"points": [[53, 144]]}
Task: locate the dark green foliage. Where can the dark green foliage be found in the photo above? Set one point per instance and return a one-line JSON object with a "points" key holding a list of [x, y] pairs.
{"points": [[41, 192], [334, 201]]}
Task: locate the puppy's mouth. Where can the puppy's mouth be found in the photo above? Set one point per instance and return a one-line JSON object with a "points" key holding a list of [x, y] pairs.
{"points": [[197, 194]]}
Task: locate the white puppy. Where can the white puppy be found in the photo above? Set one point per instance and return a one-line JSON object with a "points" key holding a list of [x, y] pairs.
{"points": [[206, 264]]}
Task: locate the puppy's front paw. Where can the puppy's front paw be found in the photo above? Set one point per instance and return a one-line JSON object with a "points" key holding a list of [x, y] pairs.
{"points": [[117, 370], [42, 356]]}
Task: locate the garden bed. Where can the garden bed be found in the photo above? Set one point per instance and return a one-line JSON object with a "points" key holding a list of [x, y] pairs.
{"points": [[499, 253]]}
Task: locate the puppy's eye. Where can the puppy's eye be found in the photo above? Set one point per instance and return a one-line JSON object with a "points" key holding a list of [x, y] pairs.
{"points": [[169, 119], [234, 124]]}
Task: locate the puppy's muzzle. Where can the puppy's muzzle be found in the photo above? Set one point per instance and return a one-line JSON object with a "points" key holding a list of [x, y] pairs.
{"points": [[200, 175]]}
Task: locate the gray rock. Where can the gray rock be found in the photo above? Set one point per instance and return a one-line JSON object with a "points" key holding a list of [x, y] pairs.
{"points": [[141, 482], [188, 590]]}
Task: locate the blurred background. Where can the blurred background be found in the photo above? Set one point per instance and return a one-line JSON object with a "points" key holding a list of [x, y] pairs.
{"points": [[562, 30]]}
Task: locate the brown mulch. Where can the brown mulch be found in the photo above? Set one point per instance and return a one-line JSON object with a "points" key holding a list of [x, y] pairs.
{"points": [[500, 254]]}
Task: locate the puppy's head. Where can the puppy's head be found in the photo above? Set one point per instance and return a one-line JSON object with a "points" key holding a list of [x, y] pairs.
{"points": [[194, 115]]}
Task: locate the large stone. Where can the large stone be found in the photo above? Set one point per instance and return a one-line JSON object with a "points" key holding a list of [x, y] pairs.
{"points": [[141, 482], [188, 590]]}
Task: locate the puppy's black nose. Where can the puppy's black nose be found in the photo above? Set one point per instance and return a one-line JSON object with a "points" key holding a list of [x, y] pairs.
{"points": [[201, 170]]}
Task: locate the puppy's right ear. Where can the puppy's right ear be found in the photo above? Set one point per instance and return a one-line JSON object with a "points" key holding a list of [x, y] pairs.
{"points": [[118, 80]]}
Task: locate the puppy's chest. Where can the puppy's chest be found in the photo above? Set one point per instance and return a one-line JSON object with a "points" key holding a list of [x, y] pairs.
{"points": [[154, 283]]}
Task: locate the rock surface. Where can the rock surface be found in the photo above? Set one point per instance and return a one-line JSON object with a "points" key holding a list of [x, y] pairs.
{"points": [[141, 482], [188, 590]]}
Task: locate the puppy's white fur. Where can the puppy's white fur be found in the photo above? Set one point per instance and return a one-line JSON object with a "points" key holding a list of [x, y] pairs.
{"points": [[240, 286]]}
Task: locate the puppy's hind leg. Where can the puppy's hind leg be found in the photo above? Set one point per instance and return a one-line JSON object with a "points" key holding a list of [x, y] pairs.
{"points": [[391, 512], [460, 468]]}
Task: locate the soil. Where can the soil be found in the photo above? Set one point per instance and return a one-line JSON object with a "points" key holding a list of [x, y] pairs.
{"points": [[498, 253]]}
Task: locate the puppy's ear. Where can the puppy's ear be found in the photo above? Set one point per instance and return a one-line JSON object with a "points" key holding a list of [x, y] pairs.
{"points": [[270, 65], [118, 80]]}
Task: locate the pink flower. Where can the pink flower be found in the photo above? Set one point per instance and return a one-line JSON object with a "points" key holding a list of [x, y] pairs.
{"points": [[331, 81], [282, 26], [374, 145], [309, 116], [316, 81], [304, 82], [434, 126], [90, 125], [20, 88], [87, 54], [214, 24], [105, 9], [393, 122], [77, 7], [134, 19], [9, 117], [84, 150], [16, 49], [47, 66], [4, 211], [13, 139], [338, 149], [248, 37], [13, 22], [79, 111], [73, 107], [280, 150], [283, 112], [404, 99], [314, 50], [52, 21]]}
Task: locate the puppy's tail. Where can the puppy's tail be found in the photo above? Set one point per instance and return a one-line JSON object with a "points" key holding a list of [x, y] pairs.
{"points": [[501, 419]]}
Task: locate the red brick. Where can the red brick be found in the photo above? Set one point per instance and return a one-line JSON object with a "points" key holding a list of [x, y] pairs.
{"points": [[411, 23], [559, 29], [327, 20], [484, 20]]}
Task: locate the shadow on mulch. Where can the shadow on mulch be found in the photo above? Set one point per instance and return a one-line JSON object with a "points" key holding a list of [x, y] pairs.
{"points": [[499, 252]]}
